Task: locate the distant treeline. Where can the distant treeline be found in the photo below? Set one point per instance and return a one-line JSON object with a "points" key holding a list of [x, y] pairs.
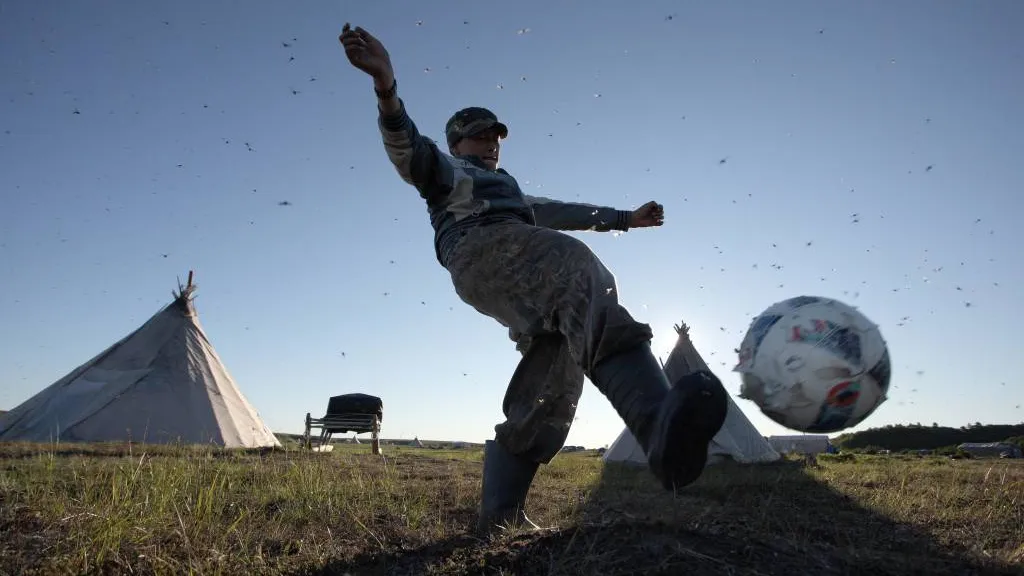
{"points": [[917, 436]]}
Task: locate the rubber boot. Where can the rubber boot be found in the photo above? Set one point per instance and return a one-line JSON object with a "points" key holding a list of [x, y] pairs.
{"points": [[506, 481], [674, 425]]}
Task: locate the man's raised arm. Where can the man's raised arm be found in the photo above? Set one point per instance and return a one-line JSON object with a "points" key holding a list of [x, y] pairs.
{"points": [[415, 157]]}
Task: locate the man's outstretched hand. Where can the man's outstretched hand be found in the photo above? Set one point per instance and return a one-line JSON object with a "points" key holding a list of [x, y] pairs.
{"points": [[650, 214]]}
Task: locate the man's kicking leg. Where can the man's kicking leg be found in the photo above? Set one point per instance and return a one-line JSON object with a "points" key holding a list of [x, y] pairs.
{"points": [[535, 280], [673, 425]]}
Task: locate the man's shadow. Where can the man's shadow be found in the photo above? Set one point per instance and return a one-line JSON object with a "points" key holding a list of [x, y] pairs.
{"points": [[762, 519]]}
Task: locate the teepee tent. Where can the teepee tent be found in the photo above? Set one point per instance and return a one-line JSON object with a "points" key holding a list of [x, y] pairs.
{"points": [[738, 440], [163, 383]]}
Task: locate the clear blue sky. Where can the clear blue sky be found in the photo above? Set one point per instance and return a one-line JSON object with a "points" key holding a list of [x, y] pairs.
{"points": [[189, 135]]}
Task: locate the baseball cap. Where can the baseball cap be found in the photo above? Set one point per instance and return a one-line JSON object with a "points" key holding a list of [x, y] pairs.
{"points": [[470, 121]]}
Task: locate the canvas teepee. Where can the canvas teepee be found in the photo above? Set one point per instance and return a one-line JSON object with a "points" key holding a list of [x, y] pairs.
{"points": [[163, 383], [738, 440]]}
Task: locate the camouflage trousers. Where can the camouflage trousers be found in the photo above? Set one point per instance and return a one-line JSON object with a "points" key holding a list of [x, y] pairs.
{"points": [[560, 305]]}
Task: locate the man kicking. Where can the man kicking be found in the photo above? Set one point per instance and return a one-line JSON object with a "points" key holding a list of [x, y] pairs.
{"points": [[508, 259]]}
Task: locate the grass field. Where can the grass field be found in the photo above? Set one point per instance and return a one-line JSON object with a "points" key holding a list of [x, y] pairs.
{"points": [[178, 510]]}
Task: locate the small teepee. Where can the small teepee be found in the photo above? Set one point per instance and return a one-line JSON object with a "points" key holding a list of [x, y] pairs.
{"points": [[738, 440], [163, 383]]}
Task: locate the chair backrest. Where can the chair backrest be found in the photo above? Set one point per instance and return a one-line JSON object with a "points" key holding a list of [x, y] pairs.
{"points": [[353, 404]]}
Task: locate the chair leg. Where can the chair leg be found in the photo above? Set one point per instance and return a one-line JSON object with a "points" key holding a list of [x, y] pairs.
{"points": [[305, 435], [376, 437]]}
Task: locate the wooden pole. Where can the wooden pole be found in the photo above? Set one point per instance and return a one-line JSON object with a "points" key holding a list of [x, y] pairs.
{"points": [[684, 358]]}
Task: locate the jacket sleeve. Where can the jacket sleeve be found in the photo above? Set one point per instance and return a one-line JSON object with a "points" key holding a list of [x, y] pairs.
{"points": [[415, 157], [577, 216]]}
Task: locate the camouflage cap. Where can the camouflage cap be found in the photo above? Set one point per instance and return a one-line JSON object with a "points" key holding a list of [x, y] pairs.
{"points": [[470, 121]]}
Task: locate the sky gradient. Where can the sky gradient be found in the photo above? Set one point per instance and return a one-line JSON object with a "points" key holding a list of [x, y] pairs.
{"points": [[870, 152]]}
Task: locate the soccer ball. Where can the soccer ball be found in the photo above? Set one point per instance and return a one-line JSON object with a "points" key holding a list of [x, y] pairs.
{"points": [[814, 364]]}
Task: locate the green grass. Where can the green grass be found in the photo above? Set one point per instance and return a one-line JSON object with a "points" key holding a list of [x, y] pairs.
{"points": [[201, 510]]}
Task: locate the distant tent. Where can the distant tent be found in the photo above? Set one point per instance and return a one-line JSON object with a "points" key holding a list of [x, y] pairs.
{"points": [[991, 449], [738, 440], [801, 444], [416, 442], [163, 383]]}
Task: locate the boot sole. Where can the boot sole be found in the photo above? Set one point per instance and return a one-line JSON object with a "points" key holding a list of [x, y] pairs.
{"points": [[694, 413]]}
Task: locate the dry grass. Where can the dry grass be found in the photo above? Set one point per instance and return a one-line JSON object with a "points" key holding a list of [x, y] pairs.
{"points": [[177, 510]]}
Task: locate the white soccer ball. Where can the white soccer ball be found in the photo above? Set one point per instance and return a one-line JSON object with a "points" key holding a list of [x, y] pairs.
{"points": [[814, 364]]}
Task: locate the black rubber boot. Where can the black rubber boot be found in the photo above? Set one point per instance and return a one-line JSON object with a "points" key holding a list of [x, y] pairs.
{"points": [[506, 481], [674, 425]]}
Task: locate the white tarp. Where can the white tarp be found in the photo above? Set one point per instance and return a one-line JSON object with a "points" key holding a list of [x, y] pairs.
{"points": [[738, 440]]}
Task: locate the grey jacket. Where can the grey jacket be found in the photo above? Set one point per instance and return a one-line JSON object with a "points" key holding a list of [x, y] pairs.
{"points": [[462, 193]]}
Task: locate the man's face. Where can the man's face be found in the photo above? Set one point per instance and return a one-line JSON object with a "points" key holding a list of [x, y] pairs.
{"points": [[486, 145]]}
